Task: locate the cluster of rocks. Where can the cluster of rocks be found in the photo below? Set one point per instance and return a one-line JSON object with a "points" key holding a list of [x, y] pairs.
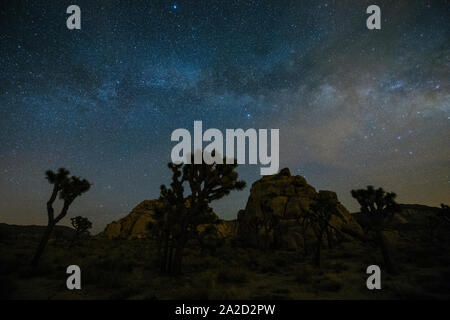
{"points": [[134, 225], [289, 198], [283, 195]]}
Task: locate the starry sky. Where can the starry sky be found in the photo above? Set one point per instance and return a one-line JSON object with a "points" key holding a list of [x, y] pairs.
{"points": [[354, 106]]}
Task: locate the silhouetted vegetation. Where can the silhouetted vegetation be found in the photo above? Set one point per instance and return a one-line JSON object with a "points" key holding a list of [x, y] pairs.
{"points": [[269, 222], [209, 239], [319, 220], [81, 226], [68, 189], [379, 206], [178, 220], [186, 237], [444, 214]]}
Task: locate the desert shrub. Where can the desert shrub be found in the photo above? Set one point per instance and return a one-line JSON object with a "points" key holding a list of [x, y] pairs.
{"points": [[232, 275]]}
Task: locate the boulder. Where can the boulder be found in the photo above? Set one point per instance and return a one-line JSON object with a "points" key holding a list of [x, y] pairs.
{"points": [[287, 198], [135, 224]]}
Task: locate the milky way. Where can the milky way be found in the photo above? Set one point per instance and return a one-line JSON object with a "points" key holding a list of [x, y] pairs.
{"points": [[354, 106]]}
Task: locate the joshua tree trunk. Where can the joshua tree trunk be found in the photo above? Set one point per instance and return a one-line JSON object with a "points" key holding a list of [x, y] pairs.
{"points": [[42, 245], [74, 239], [305, 246], [68, 189], [178, 259], [317, 255], [317, 260], [304, 230], [72, 242], [169, 262], [266, 238], [50, 226], [165, 254], [385, 251], [329, 238]]}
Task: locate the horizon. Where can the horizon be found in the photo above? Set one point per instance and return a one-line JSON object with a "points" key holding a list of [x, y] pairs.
{"points": [[354, 107], [99, 229]]}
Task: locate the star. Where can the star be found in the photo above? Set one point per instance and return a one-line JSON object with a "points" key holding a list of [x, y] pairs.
{"points": [[104, 102]]}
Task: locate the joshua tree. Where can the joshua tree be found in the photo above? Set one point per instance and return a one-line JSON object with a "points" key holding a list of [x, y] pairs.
{"points": [[81, 226], [379, 206], [209, 239], [444, 213], [434, 221], [270, 222], [319, 219], [68, 190], [303, 222], [180, 216]]}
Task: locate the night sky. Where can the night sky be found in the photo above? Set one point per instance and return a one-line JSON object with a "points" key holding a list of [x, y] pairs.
{"points": [[354, 106]]}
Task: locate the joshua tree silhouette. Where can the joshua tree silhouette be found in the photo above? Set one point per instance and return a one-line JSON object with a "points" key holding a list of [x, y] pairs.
{"points": [[81, 225], [379, 206], [179, 218], [68, 189], [444, 213], [319, 218]]}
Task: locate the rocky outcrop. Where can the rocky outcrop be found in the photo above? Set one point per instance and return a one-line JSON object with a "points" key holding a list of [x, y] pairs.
{"points": [[282, 195], [287, 197], [135, 224]]}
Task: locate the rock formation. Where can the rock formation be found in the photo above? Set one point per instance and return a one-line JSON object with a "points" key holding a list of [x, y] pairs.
{"points": [[134, 225], [282, 195], [287, 198]]}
